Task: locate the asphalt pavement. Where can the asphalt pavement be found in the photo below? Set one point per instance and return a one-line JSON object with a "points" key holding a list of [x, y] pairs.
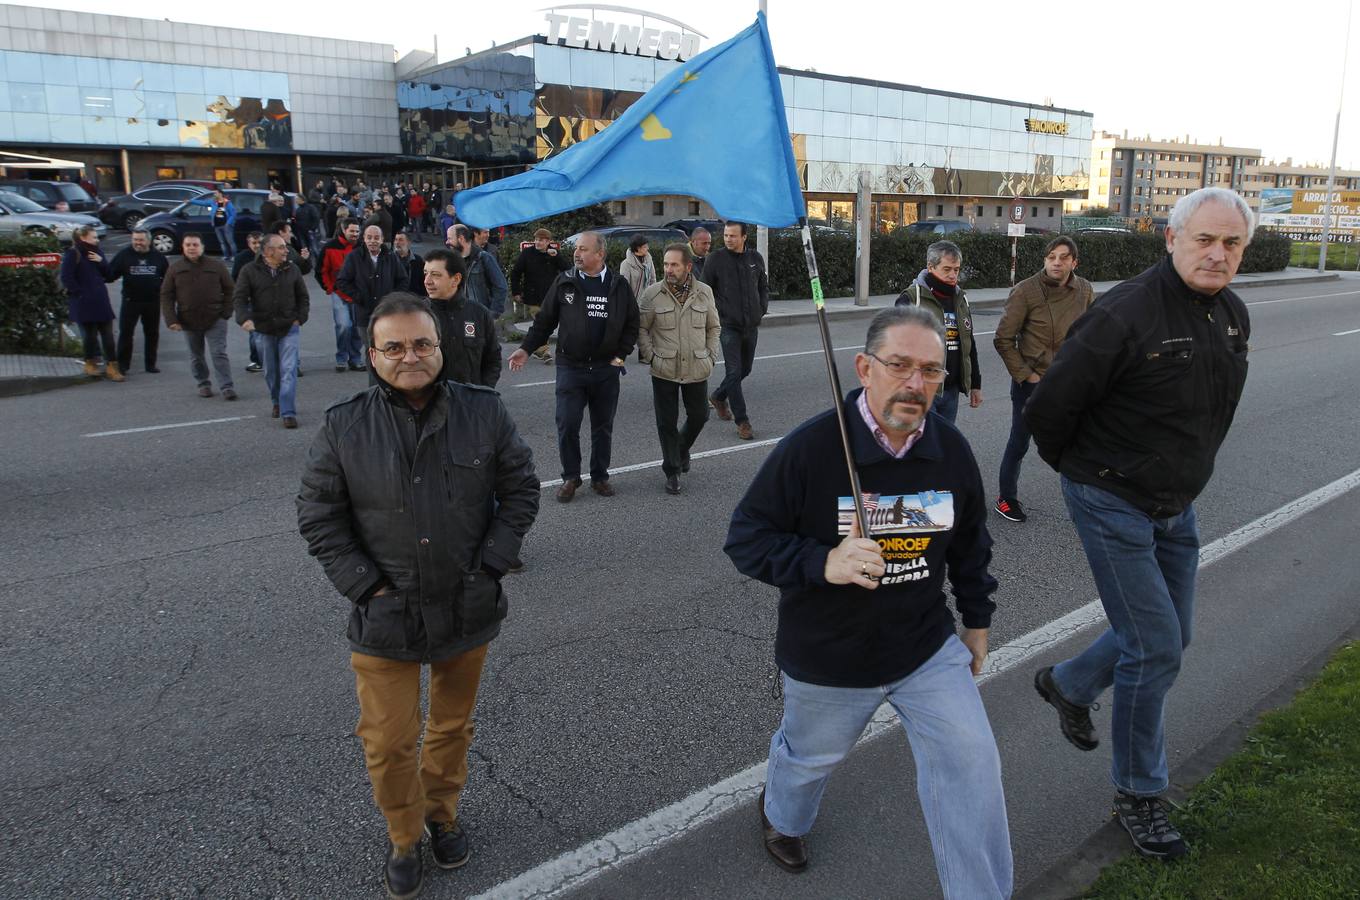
{"points": [[179, 706]]}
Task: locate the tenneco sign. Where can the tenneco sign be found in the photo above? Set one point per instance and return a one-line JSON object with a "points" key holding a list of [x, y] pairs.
{"points": [[636, 40], [1044, 126]]}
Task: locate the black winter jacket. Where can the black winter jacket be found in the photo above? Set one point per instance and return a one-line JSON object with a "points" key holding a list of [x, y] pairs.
{"points": [[930, 519], [273, 301], [1141, 394], [564, 308], [740, 286], [366, 284], [534, 272], [468, 342], [439, 521]]}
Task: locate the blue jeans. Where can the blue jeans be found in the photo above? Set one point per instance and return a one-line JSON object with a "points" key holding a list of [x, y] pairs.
{"points": [[1145, 570], [1017, 445], [958, 770], [947, 402], [280, 369], [349, 343], [594, 387], [226, 240], [739, 354]]}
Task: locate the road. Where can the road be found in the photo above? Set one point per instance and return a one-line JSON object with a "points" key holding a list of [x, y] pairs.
{"points": [[179, 707]]}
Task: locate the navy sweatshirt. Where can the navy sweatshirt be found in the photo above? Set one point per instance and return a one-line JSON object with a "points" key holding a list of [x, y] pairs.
{"points": [[929, 515]]}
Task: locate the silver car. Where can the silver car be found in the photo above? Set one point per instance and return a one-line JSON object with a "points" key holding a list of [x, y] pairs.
{"points": [[21, 216]]}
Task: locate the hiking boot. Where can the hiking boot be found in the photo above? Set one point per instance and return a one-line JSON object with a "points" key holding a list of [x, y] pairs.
{"points": [[91, 369], [404, 874], [602, 487], [1145, 819], [543, 356], [289, 421], [1010, 508], [568, 490], [448, 844], [112, 373], [204, 391], [1074, 719], [720, 407], [789, 852], [744, 431]]}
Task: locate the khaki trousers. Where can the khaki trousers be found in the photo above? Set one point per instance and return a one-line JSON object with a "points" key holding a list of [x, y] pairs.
{"points": [[409, 794]]}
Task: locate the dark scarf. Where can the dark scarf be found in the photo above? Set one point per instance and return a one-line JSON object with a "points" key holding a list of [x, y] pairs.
{"points": [[941, 289]]}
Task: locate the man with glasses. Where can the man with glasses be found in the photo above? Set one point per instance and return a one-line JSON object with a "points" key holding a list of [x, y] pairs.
{"points": [[936, 288], [271, 301], [843, 650], [415, 499]]}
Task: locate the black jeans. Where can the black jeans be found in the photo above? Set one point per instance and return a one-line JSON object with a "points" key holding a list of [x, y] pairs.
{"points": [[594, 387], [149, 315], [675, 442], [739, 353], [1018, 443], [95, 334]]}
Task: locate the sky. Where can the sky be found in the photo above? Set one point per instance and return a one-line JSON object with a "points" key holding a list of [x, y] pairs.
{"points": [[1251, 76]]}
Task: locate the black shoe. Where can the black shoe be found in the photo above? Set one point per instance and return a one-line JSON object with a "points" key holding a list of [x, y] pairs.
{"points": [[516, 566], [1010, 508], [358, 367], [1075, 720], [254, 367], [340, 368], [789, 852], [684, 463], [152, 370], [404, 874], [1144, 818], [448, 844], [672, 484], [300, 373], [568, 490]]}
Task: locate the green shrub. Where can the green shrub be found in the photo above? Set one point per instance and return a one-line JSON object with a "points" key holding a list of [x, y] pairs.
{"points": [[1267, 252], [32, 301]]}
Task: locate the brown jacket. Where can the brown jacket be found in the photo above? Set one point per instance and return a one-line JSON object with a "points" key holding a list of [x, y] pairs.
{"points": [[679, 341], [194, 295], [1037, 317]]}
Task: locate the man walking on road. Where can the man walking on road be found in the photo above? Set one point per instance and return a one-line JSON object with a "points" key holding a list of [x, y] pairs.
{"points": [[862, 619], [1132, 413], [370, 273], [422, 574], [414, 263], [533, 273], [485, 282], [678, 336], [741, 289], [471, 350], [699, 242], [142, 271], [597, 321], [349, 343], [271, 301], [196, 298], [1039, 311], [937, 289]]}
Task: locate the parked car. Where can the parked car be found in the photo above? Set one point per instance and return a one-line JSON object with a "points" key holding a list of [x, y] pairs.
{"points": [[21, 216], [48, 194], [169, 228], [126, 210], [938, 226], [714, 226], [622, 234], [1103, 229], [181, 182]]}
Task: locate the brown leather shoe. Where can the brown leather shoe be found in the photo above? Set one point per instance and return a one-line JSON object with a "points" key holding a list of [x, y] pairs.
{"points": [[744, 431], [789, 852], [603, 488], [289, 422], [568, 490], [720, 406]]}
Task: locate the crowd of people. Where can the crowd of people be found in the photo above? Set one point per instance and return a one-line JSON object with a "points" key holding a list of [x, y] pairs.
{"points": [[1110, 393]]}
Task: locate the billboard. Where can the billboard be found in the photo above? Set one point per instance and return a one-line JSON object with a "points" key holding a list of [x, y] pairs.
{"points": [[1298, 214]]}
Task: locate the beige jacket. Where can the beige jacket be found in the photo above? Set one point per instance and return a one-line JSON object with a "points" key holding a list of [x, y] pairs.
{"points": [[680, 342], [1036, 321]]}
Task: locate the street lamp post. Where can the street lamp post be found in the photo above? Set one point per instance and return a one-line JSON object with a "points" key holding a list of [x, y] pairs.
{"points": [[1336, 134]]}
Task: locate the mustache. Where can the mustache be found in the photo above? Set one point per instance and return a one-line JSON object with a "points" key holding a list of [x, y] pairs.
{"points": [[908, 396]]}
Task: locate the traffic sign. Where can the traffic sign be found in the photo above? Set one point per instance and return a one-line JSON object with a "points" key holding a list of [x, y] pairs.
{"points": [[1015, 229], [1018, 212]]}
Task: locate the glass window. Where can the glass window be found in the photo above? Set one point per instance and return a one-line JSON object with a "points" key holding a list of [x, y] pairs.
{"points": [[958, 111], [836, 149], [937, 134], [591, 70], [23, 66], [807, 121], [100, 129], [551, 64], [158, 77], [96, 101], [864, 152], [807, 92], [62, 100], [190, 107], [819, 209], [1001, 116], [937, 108], [188, 79], [836, 96], [836, 124], [131, 133], [889, 103], [633, 73], [66, 129], [159, 105], [842, 213], [864, 128], [58, 69], [4, 98], [864, 99], [30, 126], [93, 72], [219, 82], [274, 85], [125, 73], [958, 136], [812, 145], [889, 129], [978, 138], [785, 88], [914, 106], [979, 113], [245, 84], [127, 104]]}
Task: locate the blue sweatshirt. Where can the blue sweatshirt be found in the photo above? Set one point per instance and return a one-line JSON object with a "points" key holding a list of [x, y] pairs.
{"points": [[930, 517]]}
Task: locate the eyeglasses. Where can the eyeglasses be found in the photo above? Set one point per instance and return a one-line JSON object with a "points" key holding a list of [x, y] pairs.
{"points": [[930, 373], [423, 349]]}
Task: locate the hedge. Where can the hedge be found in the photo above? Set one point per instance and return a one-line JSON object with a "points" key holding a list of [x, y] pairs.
{"points": [[32, 302]]}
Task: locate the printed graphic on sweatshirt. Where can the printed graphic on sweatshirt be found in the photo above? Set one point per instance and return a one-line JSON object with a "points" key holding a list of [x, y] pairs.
{"points": [[597, 307], [951, 331], [901, 524]]}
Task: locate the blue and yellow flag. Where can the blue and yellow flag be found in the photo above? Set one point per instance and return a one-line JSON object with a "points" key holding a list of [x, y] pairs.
{"points": [[714, 128]]}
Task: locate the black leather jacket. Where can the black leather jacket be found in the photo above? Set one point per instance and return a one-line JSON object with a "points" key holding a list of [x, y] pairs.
{"points": [[433, 503]]}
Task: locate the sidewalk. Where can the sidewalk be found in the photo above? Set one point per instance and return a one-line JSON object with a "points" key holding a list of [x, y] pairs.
{"points": [[31, 374]]}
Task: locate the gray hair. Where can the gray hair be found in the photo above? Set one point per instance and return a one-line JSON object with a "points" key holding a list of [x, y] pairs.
{"points": [[901, 315], [695, 233], [140, 230], [595, 236], [939, 250], [1188, 205]]}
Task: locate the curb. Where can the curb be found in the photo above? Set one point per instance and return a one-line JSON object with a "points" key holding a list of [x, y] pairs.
{"points": [[1073, 874], [22, 385]]}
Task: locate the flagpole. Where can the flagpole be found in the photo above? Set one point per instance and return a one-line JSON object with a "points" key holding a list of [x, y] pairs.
{"points": [[837, 401]]}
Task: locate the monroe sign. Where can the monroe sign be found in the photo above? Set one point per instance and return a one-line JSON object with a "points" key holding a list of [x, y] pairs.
{"points": [[636, 40]]}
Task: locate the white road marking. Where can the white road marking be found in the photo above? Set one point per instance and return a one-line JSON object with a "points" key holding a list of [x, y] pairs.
{"points": [[575, 868], [1344, 333], [656, 463], [163, 427], [1296, 299]]}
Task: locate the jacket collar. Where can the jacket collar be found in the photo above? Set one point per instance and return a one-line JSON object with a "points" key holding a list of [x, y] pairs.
{"points": [[1172, 280], [867, 451]]}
